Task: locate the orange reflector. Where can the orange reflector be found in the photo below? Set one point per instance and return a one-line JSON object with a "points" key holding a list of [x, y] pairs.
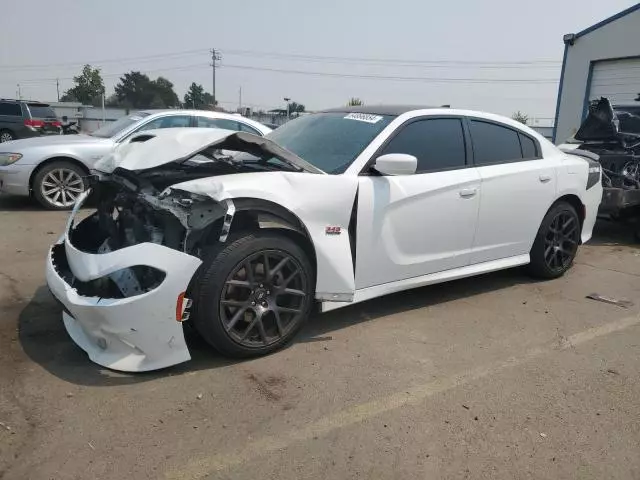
{"points": [[180, 307]]}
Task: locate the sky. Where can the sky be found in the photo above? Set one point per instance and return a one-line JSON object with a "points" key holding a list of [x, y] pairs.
{"points": [[493, 55]]}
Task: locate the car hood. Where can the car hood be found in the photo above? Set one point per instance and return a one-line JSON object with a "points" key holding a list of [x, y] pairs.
{"points": [[60, 140], [154, 148]]}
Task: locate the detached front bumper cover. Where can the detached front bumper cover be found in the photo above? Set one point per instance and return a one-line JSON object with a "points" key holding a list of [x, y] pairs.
{"points": [[135, 333]]}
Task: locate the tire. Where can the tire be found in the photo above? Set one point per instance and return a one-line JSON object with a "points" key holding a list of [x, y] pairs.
{"points": [[248, 315], [556, 243], [7, 136], [60, 177]]}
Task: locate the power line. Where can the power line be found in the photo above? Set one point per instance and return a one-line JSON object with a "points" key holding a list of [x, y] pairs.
{"points": [[112, 60], [399, 78], [394, 61]]}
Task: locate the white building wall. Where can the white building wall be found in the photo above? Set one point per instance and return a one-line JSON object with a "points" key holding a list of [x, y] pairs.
{"points": [[618, 39]]}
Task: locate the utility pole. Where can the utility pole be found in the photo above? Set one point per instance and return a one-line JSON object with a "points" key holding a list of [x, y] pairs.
{"points": [[240, 100], [58, 87], [214, 57], [19, 93]]}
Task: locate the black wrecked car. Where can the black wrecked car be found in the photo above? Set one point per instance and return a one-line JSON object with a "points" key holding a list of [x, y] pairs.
{"points": [[610, 134]]}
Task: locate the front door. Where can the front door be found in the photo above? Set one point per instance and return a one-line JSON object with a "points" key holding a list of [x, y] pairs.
{"points": [[413, 225]]}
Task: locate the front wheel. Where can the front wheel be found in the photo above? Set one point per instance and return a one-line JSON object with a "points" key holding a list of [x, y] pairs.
{"points": [[556, 243], [58, 185], [253, 295]]}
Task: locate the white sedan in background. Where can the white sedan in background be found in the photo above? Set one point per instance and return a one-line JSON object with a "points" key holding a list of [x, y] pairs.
{"points": [[333, 208], [54, 168]]}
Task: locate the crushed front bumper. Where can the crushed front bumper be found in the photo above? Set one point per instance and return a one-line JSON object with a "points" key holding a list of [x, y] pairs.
{"points": [[136, 333]]}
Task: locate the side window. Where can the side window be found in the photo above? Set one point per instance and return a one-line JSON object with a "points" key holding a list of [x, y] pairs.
{"points": [[172, 121], [494, 144], [10, 109], [529, 150], [437, 143], [208, 122], [246, 128]]}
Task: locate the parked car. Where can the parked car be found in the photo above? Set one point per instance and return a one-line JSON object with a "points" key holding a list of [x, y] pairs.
{"points": [[335, 207], [54, 169], [610, 135], [25, 119]]}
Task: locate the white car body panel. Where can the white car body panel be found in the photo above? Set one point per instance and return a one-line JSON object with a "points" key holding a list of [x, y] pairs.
{"points": [[514, 198], [319, 201], [137, 333], [391, 248], [411, 231]]}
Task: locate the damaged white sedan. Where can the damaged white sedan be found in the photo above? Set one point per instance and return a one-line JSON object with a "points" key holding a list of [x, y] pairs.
{"points": [[241, 235]]}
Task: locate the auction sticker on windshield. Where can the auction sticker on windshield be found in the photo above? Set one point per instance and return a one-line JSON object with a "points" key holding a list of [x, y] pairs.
{"points": [[364, 117]]}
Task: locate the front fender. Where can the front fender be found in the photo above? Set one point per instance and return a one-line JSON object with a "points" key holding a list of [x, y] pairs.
{"points": [[318, 201]]}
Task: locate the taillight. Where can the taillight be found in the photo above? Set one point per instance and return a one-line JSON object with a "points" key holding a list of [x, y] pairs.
{"points": [[34, 123]]}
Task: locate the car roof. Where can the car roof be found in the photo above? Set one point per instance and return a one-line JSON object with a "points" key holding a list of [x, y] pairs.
{"points": [[209, 113], [380, 109]]}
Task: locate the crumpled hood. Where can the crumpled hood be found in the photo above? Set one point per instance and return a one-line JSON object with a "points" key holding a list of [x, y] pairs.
{"points": [[153, 148]]}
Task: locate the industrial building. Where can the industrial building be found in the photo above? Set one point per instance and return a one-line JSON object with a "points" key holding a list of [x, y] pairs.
{"points": [[600, 61]]}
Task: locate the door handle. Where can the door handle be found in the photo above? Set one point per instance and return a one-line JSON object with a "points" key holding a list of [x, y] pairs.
{"points": [[468, 192], [545, 178]]}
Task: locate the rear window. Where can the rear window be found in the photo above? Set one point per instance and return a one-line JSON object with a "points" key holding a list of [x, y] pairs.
{"points": [[39, 110], [494, 144], [10, 109]]}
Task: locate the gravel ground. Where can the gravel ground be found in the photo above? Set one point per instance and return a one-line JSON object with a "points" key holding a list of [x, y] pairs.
{"points": [[491, 377]]}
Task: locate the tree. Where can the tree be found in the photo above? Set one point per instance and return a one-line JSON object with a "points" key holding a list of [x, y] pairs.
{"points": [[295, 107], [520, 117], [135, 90], [197, 98], [88, 88], [354, 102], [164, 96]]}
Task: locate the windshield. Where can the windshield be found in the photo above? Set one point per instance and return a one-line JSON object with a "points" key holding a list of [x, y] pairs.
{"points": [[330, 141], [112, 129]]}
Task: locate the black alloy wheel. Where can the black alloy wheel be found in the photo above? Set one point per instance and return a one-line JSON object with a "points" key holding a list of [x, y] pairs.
{"points": [[556, 243], [263, 298], [561, 241], [253, 293]]}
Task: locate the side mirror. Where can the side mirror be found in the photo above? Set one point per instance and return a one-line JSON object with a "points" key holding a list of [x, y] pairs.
{"points": [[396, 164]]}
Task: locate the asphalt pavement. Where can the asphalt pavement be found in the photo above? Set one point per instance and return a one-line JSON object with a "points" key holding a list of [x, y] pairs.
{"points": [[496, 377]]}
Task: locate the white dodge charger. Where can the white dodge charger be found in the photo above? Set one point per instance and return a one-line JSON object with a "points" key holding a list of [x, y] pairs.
{"points": [[241, 235]]}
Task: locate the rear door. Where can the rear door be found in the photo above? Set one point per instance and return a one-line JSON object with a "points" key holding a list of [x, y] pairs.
{"points": [[413, 225], [44, 117], [517, 188]]}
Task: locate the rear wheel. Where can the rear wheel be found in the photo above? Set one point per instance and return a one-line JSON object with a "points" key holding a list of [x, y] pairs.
{"points": [[6, 136], [58, 185], [556, 243], [254, 294]]}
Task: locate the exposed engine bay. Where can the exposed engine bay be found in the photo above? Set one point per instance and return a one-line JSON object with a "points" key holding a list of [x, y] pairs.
{"points": [[135, 207], [610, 135], [613, 135]]}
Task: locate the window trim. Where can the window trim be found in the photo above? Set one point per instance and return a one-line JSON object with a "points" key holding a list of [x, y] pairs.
{"points": [[368, 171], [536, 144], [254, 130], [128, 134]]}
